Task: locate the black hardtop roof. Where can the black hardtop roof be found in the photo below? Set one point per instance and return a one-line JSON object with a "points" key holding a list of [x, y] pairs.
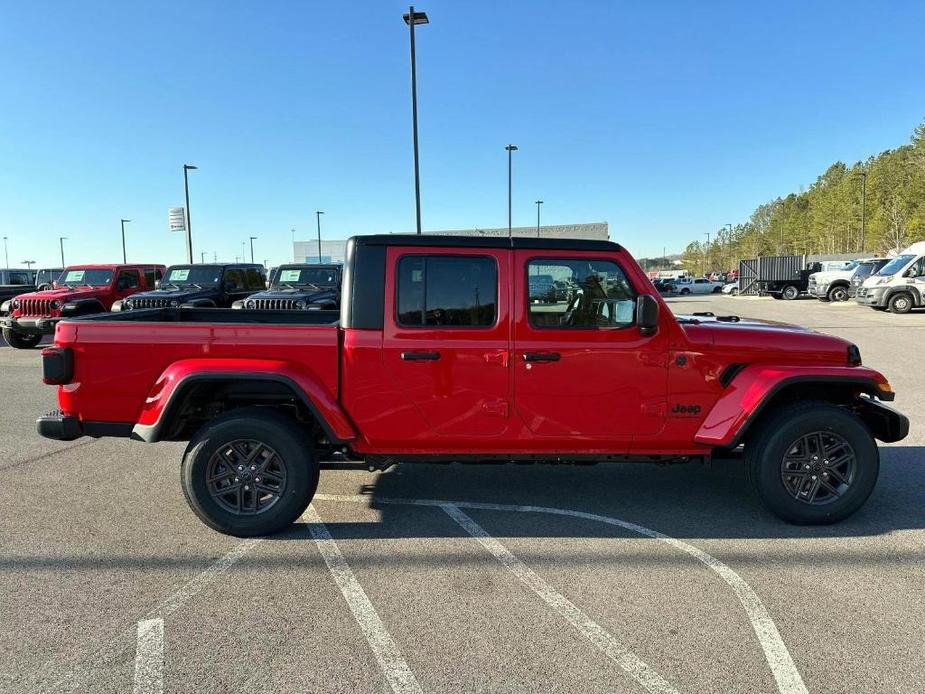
{"points": [[306, 265], [224, 265], [516, 242]]}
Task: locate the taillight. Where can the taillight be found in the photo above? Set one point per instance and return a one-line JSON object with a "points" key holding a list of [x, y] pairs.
{"points": [[57, 365]]}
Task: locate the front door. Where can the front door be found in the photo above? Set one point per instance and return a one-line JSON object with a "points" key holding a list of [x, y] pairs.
{"points": [[584, 374], [446, 338]]}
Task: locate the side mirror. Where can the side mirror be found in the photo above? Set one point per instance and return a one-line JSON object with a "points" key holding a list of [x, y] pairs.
{"points": [[647, 314]]}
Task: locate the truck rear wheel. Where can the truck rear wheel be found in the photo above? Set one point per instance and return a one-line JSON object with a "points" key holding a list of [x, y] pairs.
{"points": [[813, 463], [249, 472], [20, 340], [790, 293], [901, 302]]}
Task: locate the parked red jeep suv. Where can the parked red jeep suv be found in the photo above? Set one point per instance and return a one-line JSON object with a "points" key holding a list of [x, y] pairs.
{"points": [[78, 291], [451, 349]]}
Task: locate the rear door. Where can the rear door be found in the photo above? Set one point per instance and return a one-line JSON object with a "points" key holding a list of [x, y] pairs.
{"points": [[446, 337], [583, 371]]}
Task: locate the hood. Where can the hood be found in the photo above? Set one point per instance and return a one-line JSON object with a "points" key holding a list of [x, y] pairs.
{"points": [[751, 335], [829, 276], [306, 294], [178, 294], [64, 294]]}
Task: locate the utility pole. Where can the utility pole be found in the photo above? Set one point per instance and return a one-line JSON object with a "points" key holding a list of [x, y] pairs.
{"points": [[510, 150], [61, 240], [124, 260], [189, 224], [318, 214], [538, 203], [411, 19]]}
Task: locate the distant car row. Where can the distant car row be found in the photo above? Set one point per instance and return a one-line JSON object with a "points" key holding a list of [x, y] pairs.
{"points": [[28, 314]]}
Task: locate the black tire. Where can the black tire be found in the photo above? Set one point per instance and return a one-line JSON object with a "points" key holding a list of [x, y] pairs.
{"points": [[293, 463], [771, 450], [839, 293], [20, 340], [717, 290], [901, 302], [685, 291], [789, 293]]}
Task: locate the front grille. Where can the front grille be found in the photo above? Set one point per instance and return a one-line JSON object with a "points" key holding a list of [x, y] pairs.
{"points": [[35, 307], [273, 304], [150, 303], [812, 284]]}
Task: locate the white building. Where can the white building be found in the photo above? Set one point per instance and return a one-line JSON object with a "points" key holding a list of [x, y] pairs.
{"points": [[335, 251]]}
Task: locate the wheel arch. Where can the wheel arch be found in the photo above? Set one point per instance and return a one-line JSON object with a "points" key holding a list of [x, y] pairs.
{"points": [[904, 289], [756, 392], [229, 390]]}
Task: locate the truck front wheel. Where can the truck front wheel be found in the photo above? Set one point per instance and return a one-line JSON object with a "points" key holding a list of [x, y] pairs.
{"points": [[900, 302], [838, 293], [249, 472], [20, 340], [813, 463]]}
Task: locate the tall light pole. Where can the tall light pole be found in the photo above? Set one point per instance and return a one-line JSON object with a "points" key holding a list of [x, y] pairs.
{"points": [[538, 203], [123, 239], [510, 150], [780, 245], [863, 207], [202, 257], [728, 240], [411, 19], [293, 246], [318, 214], [707, 255], [6, 253], [189, 230], [252, 247], [61, 240]]}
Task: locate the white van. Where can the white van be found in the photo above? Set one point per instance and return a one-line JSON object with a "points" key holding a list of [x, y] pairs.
{"points": [[899, 285]]}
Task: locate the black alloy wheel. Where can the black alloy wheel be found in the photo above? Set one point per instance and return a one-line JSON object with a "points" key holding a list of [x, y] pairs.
{"points": [[818, 468], [246, 477]]}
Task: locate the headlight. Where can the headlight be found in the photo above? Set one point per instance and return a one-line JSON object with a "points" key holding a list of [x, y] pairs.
{"points": [[55, 305], [128, 304], [885, 279], [174, 303], [250, 303], [300, 305], [15, 303]]}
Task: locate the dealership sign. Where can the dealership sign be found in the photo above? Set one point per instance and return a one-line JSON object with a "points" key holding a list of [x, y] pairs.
{"points": [[176, 217]]}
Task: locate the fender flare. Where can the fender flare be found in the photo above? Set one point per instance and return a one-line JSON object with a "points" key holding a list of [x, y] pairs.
{"points": [[81, 306], [903, 289], [175, 381], [747, 396]]}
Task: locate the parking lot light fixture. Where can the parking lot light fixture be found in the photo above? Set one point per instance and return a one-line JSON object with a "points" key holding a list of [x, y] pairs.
{"points": [[318, 214], [189, 231], [123, 239], [412, 19], [510, 150]]}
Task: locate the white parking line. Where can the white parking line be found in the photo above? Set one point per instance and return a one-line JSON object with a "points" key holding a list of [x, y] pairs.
{"points": [[75, 673], [393, 665], [599, 636], [149, 657], [783, 668]]}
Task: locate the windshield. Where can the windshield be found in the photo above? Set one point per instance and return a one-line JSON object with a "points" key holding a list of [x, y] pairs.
{"points": [[865, 270], [92, 278], [190, 275], [318, 276], [895, 265]]}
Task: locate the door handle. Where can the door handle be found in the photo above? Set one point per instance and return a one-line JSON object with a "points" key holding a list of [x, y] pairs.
{"points": [[420, 356], [542, 356]]}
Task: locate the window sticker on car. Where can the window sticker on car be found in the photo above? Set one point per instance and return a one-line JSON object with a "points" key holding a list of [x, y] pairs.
{"points": [[178, 275], [289, 275], [74, 276]]}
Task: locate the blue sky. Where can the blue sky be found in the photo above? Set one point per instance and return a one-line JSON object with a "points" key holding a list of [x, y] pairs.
{"points": [[665, 119]]}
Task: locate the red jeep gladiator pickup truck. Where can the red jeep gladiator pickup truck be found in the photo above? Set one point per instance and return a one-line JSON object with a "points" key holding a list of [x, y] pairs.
{"points": [[473, 349], [78, 291]]}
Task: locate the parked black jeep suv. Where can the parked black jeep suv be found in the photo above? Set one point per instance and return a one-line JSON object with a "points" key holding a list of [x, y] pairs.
{"points": [[299, 287], [214, 285]]}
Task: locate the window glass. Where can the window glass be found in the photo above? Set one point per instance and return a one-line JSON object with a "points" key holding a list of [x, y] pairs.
{"points": [[307, 276], [149, 278], [128, 279], [255, 279], [92, 278], [583, 294], [454, 291], [20, 278], [234, 280]]}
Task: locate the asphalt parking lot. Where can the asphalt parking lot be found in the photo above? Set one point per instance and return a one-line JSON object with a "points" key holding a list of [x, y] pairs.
{"points": [[444, 578]]}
